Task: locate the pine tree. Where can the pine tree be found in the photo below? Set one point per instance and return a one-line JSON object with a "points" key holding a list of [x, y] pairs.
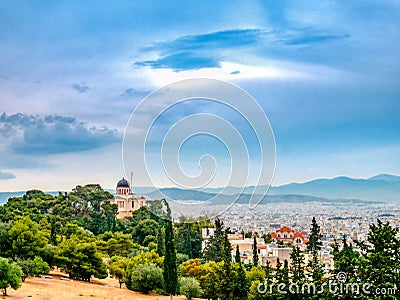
{"points": [[297, 265], [240, 284], [213, 250], [237, 255], [346, 259], [313, 246], [255, 251], [381, 261], [170, 268], [314, 242]]}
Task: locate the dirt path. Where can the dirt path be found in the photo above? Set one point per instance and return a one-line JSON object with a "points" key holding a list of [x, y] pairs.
{"points": [[56, 288]]}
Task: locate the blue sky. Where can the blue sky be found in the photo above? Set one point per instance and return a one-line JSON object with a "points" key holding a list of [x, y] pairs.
{"points": [[326, 73]]}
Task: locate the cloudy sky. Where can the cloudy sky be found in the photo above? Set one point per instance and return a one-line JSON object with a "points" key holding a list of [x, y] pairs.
{"points": [[326, 73]]}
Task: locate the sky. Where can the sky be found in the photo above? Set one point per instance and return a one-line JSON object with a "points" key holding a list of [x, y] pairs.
{"points": [[325, 73]]}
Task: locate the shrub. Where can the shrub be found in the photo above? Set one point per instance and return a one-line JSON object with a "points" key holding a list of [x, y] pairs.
{"points": [[143, 277], [190, 287], [10, 275], [33, 267]]}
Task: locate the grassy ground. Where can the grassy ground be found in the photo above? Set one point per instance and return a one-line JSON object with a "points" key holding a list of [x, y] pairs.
{"points": [[55, 288]]}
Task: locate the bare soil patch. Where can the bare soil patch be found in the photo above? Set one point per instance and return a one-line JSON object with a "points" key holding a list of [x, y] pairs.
{"points": [[56, 288]]}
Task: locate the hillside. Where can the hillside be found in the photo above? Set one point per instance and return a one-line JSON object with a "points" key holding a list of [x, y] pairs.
{"points": [[55, 288]]}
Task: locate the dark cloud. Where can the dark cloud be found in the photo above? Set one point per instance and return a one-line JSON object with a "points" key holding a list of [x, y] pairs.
{"points": [[28, 134], [6, 175], [182, 61], [193, 52], [132, 92], [80, 88]]}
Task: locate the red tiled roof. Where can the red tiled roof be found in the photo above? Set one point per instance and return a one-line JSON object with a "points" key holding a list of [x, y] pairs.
{"points": [[274, 236], [298, 234], [285, 229]]}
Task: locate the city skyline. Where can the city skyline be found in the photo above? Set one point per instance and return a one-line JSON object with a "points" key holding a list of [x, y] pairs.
{"points": [[326, 75]]}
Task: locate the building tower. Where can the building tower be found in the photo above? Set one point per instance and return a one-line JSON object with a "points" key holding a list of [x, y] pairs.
{"points": [[123, 187]]}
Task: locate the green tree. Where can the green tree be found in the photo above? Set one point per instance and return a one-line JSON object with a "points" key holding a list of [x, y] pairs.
{"points": [[143, 229], [170, 268], [213, 249], [5, 241], [226, 274], [237, 255], [346, 259], [119, 244], [209, 277], [81, 259], [26, 238], [147, 258], [33, 267], [267, 238], [160, 241], [181, 258], [190, 287], [143, 278], [380, 263], [314, 243], [240, 283], [117, 266], [297, 265], [188, 239], [87, 198], [10, 275], [313, 246], [255, 251]]}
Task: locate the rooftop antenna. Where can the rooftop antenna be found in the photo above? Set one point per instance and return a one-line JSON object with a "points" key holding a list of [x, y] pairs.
{"points": [[131, 181]]}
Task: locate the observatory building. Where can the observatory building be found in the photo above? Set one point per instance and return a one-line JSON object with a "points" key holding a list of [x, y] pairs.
{"points": [[127, 201]]}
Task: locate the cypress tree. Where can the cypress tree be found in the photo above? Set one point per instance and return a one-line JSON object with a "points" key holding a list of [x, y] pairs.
{"points": [[255, 251], [170, 268], [227, 278], [237, 255], [160, 241]]}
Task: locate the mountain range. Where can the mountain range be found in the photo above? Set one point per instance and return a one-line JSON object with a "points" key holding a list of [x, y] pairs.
{"points": [[380, 188]]}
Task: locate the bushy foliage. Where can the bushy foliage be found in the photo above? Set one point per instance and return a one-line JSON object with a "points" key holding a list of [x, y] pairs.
{"points": [[26, 238], [33, 267], [143, 277], [81, 259], [190, 287], [10, 275], [117, 266]]}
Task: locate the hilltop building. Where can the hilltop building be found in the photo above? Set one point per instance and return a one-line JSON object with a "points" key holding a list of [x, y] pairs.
{"points": [[127, 201]]}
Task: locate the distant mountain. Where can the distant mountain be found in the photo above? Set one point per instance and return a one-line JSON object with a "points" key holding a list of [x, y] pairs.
{"points": [[386, 177], [217, 199], [382, 187], [379, 188]]}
